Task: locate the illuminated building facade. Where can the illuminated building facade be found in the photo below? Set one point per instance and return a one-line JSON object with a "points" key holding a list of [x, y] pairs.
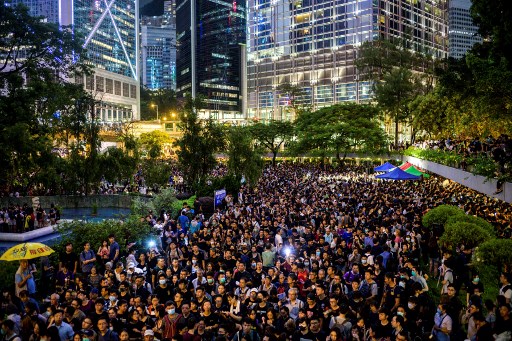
{"points": [[158, 50], [312, 44], [211, 36], [462, 33], [111, 30]]}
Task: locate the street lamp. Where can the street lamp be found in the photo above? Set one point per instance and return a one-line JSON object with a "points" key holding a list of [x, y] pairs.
{"points": [[173, 114], [155, 105]]}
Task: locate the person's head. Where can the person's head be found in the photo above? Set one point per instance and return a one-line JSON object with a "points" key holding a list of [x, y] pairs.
{"points": [[505, 278], [7, 327], [383, 314], [102, 324], [170, 307], [314, 324], [442, 308], [397, 322], [69, 247], [247, 325], [207, 306], [479, 318], [87, 323], [24, 264], [504, 311], [111, 238], [334, 334], [133, 315], [112, 313], [389, 278], [451, 290], [124, 336], [58, 316], [149, 335]]}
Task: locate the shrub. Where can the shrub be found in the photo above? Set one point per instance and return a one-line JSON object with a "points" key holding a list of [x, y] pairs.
{"points": [[163, 200], [462, 233], [440, 215], [473, 220], [496, 252], [79, 232]]}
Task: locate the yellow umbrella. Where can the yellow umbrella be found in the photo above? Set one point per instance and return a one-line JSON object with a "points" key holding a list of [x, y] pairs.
{"points": [[26, 251]]}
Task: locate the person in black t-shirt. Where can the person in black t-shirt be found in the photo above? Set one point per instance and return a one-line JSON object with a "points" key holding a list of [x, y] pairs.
{"points": [[69, 258]]}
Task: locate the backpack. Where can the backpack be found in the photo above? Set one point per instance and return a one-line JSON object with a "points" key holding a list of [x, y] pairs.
{"points": [[364, 289], [345, 327]]}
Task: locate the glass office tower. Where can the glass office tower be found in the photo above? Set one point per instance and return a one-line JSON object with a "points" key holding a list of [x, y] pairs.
{"points": [[158, 50], [110, 29], [312, 44], [462, 33], [211, 37]]}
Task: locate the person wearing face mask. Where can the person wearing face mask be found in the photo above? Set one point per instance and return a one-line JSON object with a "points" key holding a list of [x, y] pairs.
{"points": [[7, 331], [112, 298], [163, 291], [475, 287], [170, 321], [210, 286], [442, 324]]}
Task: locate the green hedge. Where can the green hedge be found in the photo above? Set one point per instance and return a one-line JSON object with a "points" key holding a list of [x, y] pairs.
{"points": [[462, 233], [497, 252], [473, 220], [440, 215], [480, 165]]}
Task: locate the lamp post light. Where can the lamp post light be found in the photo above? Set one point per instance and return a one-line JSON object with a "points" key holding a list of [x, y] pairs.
{"points": [[153, 106]]}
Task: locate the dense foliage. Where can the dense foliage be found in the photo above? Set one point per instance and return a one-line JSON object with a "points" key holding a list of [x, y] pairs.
{"points": [[440, 215], [463, 233], [340, 129]]}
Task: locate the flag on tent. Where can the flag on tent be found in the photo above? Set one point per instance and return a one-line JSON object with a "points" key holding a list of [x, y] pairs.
{"points": [[405, 165], [398, 174]]}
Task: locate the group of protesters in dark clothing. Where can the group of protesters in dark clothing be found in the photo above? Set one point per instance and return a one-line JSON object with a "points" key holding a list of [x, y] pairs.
{"points": [[310, 253]]}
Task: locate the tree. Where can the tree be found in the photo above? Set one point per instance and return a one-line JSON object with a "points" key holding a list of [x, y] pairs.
{"points": [[439, 215], [36, 63], [243, 159], [463, 233], [461, 217], [429, 115], [153, 142], [397, 76], [200, 141], [495, 252], [493, 21], [341, 128], [118, 164], [272, 135]]}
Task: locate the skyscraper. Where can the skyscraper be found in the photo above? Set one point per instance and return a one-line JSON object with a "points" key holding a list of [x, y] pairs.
{"points": [[462, 33], [158, 49], [312, 44], [211, 39], [111, 32]]}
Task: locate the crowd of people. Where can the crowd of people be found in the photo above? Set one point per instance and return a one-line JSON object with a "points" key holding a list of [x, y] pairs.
{"points": [[23, 218], [310, 253], [498, 149]]}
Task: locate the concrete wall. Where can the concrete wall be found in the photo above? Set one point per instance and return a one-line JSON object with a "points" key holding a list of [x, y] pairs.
{"points": [[477, 182], [73, 201]]}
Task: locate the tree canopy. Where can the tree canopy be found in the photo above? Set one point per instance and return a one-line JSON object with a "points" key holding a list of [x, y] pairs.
{"points": [[342, 129], [272, 135]]}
